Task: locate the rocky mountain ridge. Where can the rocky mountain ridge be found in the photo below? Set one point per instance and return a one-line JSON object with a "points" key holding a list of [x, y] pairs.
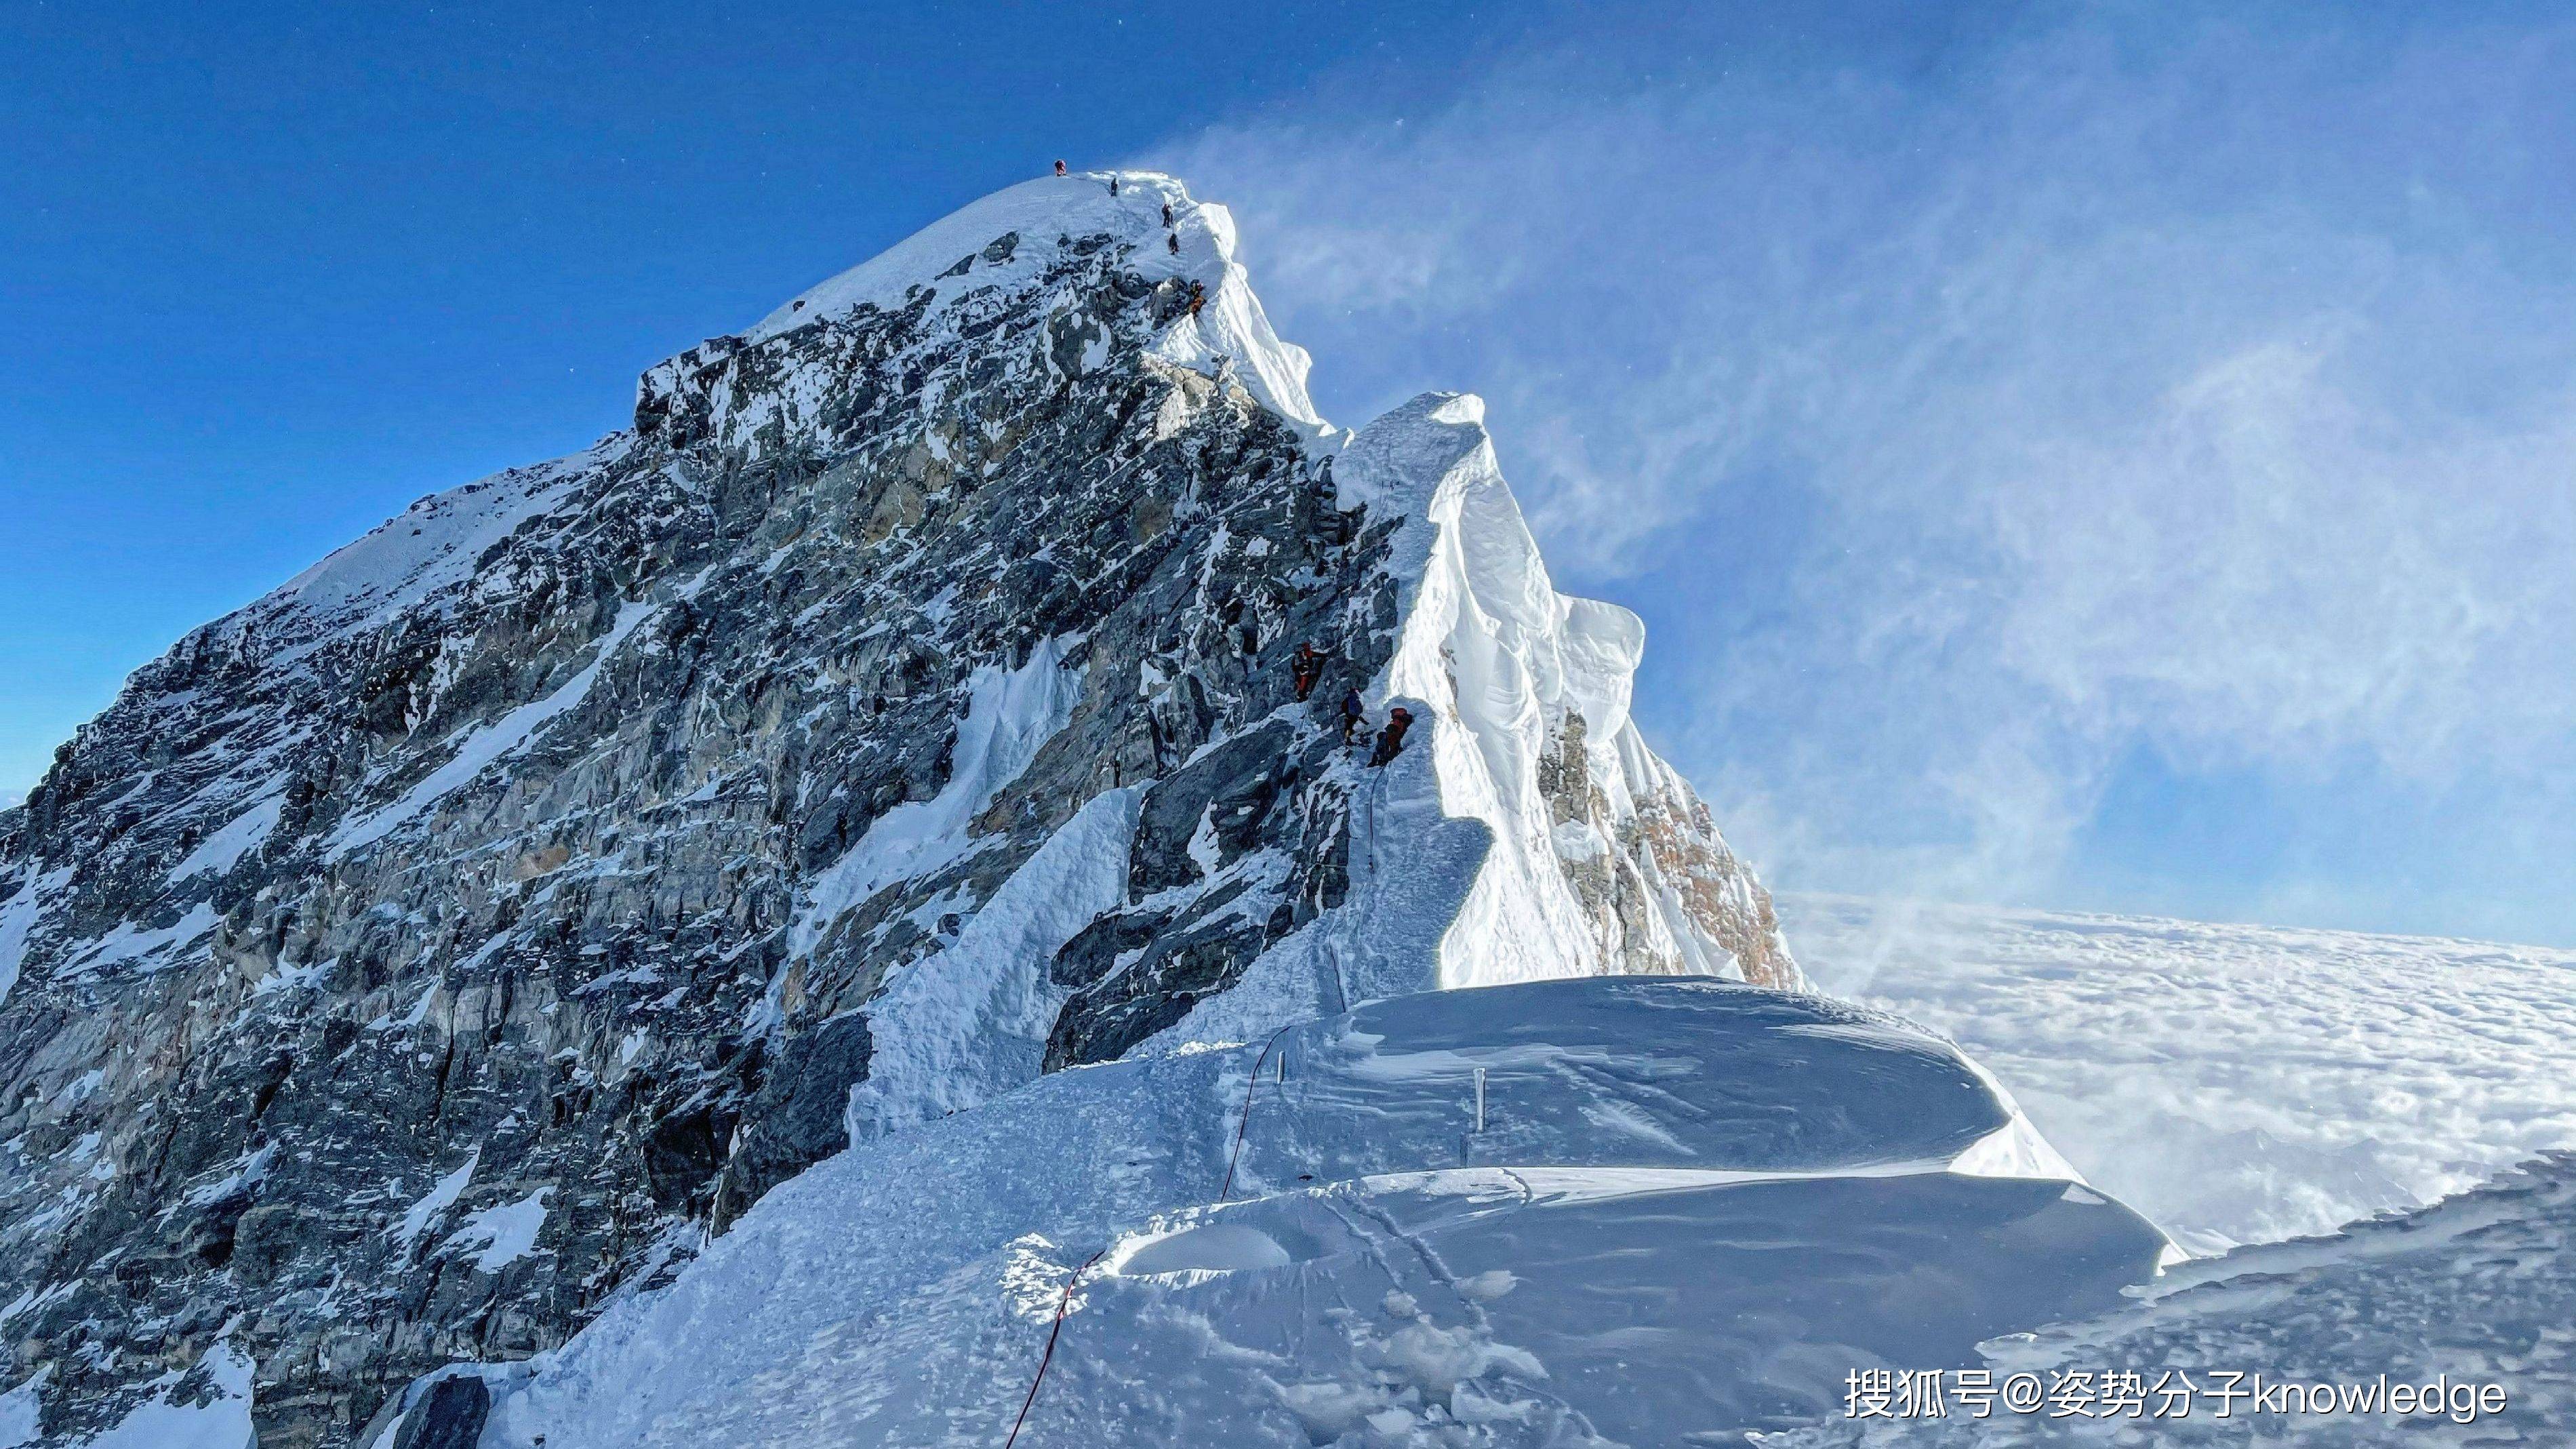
{"points": [[411, 963]]}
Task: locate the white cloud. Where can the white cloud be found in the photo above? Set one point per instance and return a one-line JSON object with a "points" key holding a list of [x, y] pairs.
{"points": [[2119, 385]]}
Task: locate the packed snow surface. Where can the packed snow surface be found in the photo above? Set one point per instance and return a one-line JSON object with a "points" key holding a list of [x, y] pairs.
{"points": [[2236, 1084], [2479, 1289], [1693, 1204]]}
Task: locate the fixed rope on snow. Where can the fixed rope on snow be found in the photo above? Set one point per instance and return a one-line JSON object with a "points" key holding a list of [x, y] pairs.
{"points": [[1065, 1303], [1245, 1120], [1242, 1125], [1048, 1357]]}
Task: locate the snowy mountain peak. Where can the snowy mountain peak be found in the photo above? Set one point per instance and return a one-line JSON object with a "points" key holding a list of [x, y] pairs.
{"points": [[941, 686], [1014, 240]]}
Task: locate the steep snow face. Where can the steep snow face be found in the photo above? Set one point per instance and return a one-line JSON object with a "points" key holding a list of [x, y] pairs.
{"points": [[1603, 860]]}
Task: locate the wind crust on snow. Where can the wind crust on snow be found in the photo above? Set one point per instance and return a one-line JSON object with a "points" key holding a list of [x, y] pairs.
{"points": [[1694, 1205]]}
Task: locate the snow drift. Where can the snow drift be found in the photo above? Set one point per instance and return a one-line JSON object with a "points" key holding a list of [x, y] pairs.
{"points": [[1693, 1207]]}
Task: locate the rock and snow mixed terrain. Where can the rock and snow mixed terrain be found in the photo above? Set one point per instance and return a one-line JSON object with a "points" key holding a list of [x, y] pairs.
{"points": [[414, 962], [720, 938]]}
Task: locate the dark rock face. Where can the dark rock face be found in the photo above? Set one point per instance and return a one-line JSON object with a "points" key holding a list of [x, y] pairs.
{"points": [[795, 1119], [744, 633], [449, 1416], [422, 954]]}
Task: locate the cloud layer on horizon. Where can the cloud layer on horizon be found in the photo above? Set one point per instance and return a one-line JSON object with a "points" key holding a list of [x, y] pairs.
{"points": [[2023, 440]]}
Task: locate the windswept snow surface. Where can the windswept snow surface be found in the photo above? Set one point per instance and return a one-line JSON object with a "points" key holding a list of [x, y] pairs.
{"points": [[2237, 1084], [971, 1021], [1695, 1206], [2479, 1289], [428, 547]]}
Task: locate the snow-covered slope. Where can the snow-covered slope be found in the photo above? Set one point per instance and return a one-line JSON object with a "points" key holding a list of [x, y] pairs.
{"points": [[2237, 1084], [2470, 1299], [1692, 1206]]}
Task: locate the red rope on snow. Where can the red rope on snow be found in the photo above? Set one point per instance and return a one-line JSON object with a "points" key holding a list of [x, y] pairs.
{"points": [[1049, 1356], [1245, 1120]]}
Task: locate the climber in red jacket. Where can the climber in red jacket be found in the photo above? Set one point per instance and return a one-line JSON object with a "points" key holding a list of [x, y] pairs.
{"points": [[1390, 741], [1307, 666]]}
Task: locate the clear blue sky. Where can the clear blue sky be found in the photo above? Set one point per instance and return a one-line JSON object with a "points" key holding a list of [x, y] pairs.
{"points": [[2109, 456]]}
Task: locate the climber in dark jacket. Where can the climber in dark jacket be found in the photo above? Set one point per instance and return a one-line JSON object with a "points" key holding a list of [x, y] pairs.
{"points": [[1390, 741], [1059, 168], [1354, 714], [1113, 186], [1307, 667], [1167, 213], [1175, 240]]}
